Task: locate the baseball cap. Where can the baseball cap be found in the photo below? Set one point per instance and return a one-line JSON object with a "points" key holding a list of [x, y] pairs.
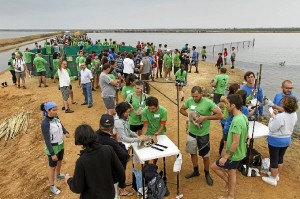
{"points": [[106, 120]]}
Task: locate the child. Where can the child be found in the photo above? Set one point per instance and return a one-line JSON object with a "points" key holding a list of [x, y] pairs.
{"points": [[219, 63], [180, 76], [203, 53], [225, 56]]}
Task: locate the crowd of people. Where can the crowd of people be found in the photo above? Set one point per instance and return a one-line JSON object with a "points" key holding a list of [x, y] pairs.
{"points": [[138, 116]]}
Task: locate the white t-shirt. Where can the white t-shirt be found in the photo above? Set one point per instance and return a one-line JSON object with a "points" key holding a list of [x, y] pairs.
{"points": [[128, 66], [86, 76], [19, 65], [64, 78]]}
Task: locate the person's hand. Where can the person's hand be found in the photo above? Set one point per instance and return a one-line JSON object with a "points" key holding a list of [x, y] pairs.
{"points": [[67, 176], [275, 112], [143, 137], [54, 157], [260, 118], [67, 135], [200, 119], [222, 161], [254, 92], [154, 138]]}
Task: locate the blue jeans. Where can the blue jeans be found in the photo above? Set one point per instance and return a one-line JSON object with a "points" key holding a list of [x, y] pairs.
{"points": [[87, 92]]}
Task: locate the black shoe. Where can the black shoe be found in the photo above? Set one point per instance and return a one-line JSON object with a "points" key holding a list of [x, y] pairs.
{"points": [[69, 111], [182, 98], [209, 180], [24, 87], [19, 86], [5, 84], [84, 103], [232, 67], [189, 71], [93, 89], [193, 174], [63, 108], [90, 106]]}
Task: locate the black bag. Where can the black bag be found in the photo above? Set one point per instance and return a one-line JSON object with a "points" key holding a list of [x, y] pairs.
{"points": [[156, 188], [255, 159]]}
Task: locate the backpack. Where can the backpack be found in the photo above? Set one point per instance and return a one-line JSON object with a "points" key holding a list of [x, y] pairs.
{"points": [[156, 188]]}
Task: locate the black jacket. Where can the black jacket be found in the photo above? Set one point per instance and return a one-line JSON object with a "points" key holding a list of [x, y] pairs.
{"points": [[119, 147], [93, 173]]}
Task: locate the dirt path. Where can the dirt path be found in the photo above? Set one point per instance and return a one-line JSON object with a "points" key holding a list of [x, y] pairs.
{"points": [[24, 166]]}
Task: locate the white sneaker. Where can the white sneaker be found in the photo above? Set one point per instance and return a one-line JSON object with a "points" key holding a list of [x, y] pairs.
{"points": [[270, 180], [277, 177], [55, 190]]}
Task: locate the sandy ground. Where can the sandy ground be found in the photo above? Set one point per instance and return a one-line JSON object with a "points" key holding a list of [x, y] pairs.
{"points": [[24, 166]]}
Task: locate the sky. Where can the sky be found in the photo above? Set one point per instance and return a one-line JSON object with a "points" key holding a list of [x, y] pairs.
{"points": [[142, 14]]}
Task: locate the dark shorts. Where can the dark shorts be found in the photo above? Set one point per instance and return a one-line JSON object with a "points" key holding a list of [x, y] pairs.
{"points": [[203, 145], [217, 97], [229, 164], [60, 156], [29, 66], [179, 83], [136, 128], [43, 73], [194, 63]]}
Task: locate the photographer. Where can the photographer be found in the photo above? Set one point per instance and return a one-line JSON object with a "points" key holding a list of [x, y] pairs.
{"points": [[185, 60]]}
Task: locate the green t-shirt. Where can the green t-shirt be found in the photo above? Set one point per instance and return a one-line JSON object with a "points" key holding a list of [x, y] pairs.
{"points": [[203, 52], [154, 119], [180, 77], [48, 49], [127, 90], [89, 66], [10, 64], [239, 125], [28, 58], [19, 52], [168, 60], [137, 104], [176, 60], [222, 81], [40, 63], [105, 43], [79, 61], [96, 64], [205, 108], [111, 76], [55, 64]]}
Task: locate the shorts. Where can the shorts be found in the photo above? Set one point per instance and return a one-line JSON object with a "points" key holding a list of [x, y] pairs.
{"points": [[29, 66], [65, 91], [194, 63], [200, 143], [42, 73], [60, 156], [167, 69], [217, 97], [109, 102], [20, 74], [179, 83], [136, 128], [229, 164]]}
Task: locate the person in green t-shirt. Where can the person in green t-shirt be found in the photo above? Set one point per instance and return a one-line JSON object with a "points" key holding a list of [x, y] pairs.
{"points": [[137, 101], [220, 83], [236, 145], [176, 61], [40, 65], [180, 76], [48, 49], [79, 60], [55, 61], [154, 118], [28, 60], [129, 87], [203, 53], [105, 43], [201, 111], [167, 64], [96, 71], [11, 68]]}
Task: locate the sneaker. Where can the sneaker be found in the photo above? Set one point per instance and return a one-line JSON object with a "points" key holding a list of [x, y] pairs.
{"points": [[84, 103], [277, 177], [192, 174], [182, 98], [54, 189], [90, 106], [270, 180], [69, 111], [209, 180], [24, 87], [60, 176]]}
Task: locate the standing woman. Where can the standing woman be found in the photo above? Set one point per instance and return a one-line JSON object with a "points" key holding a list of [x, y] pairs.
{"points": [[53, 132], [129, 88], [180, 80], [281, 126]]}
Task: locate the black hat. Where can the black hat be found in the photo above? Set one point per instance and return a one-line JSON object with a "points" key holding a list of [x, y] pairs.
{"points": [[106, 120]]}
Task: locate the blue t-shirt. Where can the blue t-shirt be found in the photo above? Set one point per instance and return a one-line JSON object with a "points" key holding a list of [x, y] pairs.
{"points": [[278, 98], [259, 95], [195, 56]]}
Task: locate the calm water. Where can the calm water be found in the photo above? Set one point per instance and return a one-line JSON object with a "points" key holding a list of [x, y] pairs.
{"points": [[269, 50]]}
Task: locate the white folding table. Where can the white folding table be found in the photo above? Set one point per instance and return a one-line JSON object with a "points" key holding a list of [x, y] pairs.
{"points": [[260, 130], [141, 155]]}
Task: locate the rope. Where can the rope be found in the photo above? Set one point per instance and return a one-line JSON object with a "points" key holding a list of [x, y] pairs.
{"points": [[164, 94]]}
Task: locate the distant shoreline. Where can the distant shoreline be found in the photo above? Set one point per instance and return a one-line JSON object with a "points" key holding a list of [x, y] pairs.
{"points": [[159, 30]]}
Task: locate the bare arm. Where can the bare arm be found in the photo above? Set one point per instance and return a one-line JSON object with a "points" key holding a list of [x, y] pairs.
{"points": [[234, 145], [217, 115], [145, 128], [183, 110]]}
